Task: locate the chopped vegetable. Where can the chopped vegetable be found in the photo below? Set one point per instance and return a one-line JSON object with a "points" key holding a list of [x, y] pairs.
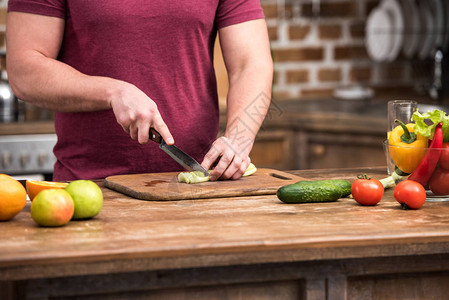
{"points": [[197, 176]]}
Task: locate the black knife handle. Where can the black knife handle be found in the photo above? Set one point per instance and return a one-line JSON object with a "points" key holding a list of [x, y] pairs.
{"points": [[155, 136]]}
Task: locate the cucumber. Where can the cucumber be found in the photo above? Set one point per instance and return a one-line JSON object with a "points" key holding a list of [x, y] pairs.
{"points": [[314, 191], [344, 185]]}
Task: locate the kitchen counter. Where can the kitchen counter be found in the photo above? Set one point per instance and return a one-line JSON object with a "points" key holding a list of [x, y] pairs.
{"points": [[233, 248]]}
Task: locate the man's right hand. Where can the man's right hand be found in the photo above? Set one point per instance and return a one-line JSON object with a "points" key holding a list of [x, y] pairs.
{"points": [[137, 113], [36, 76]]}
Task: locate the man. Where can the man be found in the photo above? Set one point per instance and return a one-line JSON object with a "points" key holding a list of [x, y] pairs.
{"points": [[113, 69]]}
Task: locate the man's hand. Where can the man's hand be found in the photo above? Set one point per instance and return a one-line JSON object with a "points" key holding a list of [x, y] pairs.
{"points": [[232, 159], [137, 113], [246, 52]]}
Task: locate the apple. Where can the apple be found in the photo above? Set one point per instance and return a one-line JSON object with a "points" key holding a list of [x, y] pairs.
{"points": [[87, 197], [52, 207]]}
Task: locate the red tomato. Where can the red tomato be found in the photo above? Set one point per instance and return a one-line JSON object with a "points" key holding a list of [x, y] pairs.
{"points": [[367, 191], [439, 182], [410, 194], [443, 162]]}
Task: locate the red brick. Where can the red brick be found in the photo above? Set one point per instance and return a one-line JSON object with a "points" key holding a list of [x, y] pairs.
{"points": [[330, 10], [330, 32], [301, 54], [296, 76], [298, 32], [350, 52], [329, 75], [271, 11], [357, 30]]}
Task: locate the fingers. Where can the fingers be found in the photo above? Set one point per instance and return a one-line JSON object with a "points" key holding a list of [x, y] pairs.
{"points": [[136, 117], [232, 163], [163, 130]]}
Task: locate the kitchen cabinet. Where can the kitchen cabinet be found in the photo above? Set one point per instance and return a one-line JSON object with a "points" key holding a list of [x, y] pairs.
{"points": [[321, 150], [249, 247], [275, 149], [322, 134], [306, 149]]}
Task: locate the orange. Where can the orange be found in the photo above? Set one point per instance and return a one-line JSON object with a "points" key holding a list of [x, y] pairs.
{"points": [[13, 197], [35, 186]]}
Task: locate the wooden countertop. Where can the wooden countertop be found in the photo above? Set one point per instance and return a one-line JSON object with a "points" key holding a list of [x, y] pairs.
{"points": [[133, 235]]}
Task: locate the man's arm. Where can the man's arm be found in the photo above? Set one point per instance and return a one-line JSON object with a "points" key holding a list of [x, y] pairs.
{"points": [[33, 44], [246, 52]]}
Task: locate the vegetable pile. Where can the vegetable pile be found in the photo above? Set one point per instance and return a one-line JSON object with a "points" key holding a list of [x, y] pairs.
{"points": [[432, 169], [421, 161]]}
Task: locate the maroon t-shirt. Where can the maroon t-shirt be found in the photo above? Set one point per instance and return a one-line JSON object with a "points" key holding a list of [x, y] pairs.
{"points": [[165, 48]]}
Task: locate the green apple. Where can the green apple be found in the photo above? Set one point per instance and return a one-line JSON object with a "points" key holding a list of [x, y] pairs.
{"points": [[87, 197], [52, 207]]}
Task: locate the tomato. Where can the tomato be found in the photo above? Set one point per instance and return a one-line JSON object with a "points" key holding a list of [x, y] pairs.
{"points": [[439, 182], [443, 162], [410, 194], [367, 191]]}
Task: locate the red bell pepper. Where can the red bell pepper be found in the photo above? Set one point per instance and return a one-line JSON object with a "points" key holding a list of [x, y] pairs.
{"points": [[429, 162]]}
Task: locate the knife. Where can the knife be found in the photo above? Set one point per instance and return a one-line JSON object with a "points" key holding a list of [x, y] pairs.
{"points": [[185, 160]]}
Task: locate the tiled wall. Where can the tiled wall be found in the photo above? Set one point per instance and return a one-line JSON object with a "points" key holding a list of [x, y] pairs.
{"points": [[318, 46]]}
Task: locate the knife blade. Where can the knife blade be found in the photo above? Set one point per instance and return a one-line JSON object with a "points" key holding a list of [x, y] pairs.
{"points": [[182, 158]]}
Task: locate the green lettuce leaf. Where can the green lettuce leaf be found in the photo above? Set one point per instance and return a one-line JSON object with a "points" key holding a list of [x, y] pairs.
{"points": [[426, 123]]}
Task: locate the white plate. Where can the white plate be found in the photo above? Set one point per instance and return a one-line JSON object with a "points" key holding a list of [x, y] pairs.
{"points": [[411, 28], [427, 28], [378, 32], [356, 92], [395, 10]]}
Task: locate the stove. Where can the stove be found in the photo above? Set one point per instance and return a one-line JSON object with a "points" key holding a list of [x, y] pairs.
{"points": [[27, 154]]}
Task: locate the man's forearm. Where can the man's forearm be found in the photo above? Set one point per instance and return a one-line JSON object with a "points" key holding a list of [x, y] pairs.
{"points": [[54, 85], [248, 102]]}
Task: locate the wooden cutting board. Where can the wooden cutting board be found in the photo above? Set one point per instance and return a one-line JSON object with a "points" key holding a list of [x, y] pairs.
{"points": [[164, 186]]}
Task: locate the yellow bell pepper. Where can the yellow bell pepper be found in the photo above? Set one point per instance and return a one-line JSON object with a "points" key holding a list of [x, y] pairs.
{"points": [[406, 147]]}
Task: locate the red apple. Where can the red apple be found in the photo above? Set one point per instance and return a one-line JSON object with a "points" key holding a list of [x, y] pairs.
{"points": [[52, 207]]}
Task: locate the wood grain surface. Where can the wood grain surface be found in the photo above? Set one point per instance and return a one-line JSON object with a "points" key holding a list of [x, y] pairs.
{"points": [[130, 235], [165, 186]]}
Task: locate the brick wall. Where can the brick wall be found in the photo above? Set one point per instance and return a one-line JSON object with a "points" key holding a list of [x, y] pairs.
{"points": [[315, 51], [318, 47]]}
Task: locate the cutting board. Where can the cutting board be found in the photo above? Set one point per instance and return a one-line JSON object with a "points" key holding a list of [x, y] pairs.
{"points": [[164, 186]]}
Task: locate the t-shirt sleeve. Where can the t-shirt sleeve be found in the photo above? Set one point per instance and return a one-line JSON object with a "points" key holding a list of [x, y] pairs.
{"points": [[232, 12], [51, 8]]}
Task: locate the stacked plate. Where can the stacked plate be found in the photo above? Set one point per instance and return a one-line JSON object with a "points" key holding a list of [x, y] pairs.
{"points": [[415, 28]]}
